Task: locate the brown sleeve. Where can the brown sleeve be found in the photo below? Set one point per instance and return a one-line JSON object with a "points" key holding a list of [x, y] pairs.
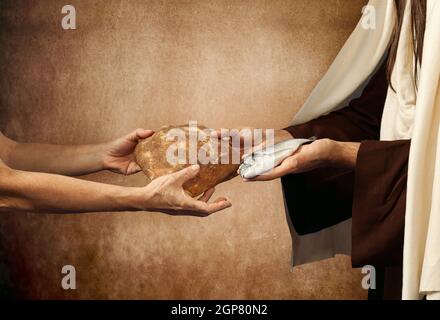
{"points": [[318, 199], [373, 194], [333, 187], [359, 121], [379, 202]]}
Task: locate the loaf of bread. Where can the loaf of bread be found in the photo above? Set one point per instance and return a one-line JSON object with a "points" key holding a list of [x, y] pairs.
{"points": [[151, 155]]}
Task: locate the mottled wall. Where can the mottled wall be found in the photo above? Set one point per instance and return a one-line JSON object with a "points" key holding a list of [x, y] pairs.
{"points": [[145, 64]]}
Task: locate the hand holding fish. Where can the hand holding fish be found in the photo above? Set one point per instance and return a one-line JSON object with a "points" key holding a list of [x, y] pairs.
{"points": [[319, 154]]}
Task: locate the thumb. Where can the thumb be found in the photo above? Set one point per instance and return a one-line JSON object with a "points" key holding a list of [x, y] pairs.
{"points": [[142, 133], [138, 134], [187, 174]]}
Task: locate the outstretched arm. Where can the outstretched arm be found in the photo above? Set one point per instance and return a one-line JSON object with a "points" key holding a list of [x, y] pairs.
{"points": [[41, 192], [73, 160]]}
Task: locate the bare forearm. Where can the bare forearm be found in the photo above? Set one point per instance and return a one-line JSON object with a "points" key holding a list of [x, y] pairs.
{"points": [[59, 159], [41, 192]]}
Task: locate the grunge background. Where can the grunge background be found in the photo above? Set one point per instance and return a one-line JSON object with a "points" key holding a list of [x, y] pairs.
{"points": [[147, 64]]}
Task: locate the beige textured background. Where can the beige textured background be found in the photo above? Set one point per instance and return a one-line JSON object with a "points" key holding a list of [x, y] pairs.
{"points": [[145, 64]]}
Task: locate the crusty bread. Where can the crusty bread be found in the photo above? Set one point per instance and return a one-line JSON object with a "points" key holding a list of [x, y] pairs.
{"points": [[151, 155]]}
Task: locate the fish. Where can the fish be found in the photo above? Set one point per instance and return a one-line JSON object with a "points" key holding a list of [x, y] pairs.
{"points": [[263, 161]]}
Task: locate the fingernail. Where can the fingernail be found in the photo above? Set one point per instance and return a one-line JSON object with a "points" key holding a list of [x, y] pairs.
{"points": [[195, 167]]}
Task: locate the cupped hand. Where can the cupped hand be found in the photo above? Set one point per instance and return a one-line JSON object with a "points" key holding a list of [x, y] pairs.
{"points": [[166, 194], [323, 152], [119, 154]]}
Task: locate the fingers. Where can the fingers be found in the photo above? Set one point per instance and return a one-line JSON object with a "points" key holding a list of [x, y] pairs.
{"points": [[207, 195], [208, 208], [143, 134], [201, 207], [217, 134], [218, 206], [139, 134], [243, 132], [223, 133], [178, 202], [133, 168], [186, 174], [283, 169], [253, 149], [220, 199]]}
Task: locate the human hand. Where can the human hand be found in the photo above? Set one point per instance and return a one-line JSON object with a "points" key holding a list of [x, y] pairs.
{"points": [[118, 155], [321, 153], [249, 139], [166, 194]]}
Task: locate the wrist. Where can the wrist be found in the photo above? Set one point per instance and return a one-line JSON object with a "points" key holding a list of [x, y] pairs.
{"points": [[345, 154], [103, 157], [86, 158], [134, 199], [11, 146]]}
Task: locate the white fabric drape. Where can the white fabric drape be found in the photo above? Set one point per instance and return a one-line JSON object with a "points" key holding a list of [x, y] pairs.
{"points": [[421, 257], [407, 114]]}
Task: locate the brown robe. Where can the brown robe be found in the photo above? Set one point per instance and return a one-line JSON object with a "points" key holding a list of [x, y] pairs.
{"points": [[373, 194]]}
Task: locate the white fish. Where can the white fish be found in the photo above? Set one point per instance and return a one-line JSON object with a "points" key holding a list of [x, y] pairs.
{"points": [[266, 159]]}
